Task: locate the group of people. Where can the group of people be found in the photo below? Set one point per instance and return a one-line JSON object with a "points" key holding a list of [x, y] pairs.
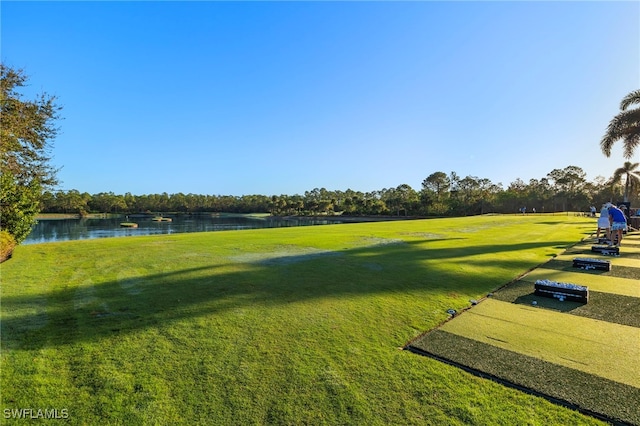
{"points": [[613, 222]]}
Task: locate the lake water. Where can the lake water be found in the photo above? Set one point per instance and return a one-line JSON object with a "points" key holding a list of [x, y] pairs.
{"points": [[50, 230]]}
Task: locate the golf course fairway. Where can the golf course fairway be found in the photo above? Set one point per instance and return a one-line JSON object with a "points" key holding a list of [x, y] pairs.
{"points": [[276, 326]]}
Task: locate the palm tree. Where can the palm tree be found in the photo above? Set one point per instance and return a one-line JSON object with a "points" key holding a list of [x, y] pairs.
{"points": [[625, 126], [632, 177]]}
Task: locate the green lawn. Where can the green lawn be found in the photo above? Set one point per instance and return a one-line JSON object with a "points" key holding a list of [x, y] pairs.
{"points": [[270, 326], [585, 354], [580, 343]]}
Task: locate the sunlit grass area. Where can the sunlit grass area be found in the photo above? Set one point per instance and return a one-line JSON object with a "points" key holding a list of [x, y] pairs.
{"points": [[584, 354], [271, 326]]}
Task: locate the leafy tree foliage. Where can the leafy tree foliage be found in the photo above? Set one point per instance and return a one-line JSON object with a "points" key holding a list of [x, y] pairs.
{"points": [[438, 183], [569, 185], [20, 205], [631, 175], [26, 132], [441, 195], [625, 126]]}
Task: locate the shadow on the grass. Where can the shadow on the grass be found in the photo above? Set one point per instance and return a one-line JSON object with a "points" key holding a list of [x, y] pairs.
{"points": [[78, 313], [547, 303], [608, 400]]}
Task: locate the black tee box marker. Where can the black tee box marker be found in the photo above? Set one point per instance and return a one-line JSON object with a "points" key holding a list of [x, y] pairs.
{"points": [[562, 291], [589, 263]]}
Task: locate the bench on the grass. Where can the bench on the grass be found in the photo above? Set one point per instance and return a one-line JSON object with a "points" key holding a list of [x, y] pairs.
{"points": [[562, 291]]}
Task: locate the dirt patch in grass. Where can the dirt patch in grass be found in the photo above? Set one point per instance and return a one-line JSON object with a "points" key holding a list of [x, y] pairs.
{"points": [[377, 241], [425, 235]]}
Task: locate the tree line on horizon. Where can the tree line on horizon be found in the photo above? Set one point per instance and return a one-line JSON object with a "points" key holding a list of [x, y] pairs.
{"points": [[440, 194], [28, 180]]}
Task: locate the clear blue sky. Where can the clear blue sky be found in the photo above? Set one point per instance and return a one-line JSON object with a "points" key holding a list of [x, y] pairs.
{"points": [[282, 97]]}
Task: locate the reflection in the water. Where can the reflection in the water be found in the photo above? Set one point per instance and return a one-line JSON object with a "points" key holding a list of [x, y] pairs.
{"points": [[89, 228]]}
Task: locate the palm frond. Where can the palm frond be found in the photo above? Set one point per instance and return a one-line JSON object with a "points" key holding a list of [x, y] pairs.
{"points": [[630, 143], [630, 99], [625, 126]]}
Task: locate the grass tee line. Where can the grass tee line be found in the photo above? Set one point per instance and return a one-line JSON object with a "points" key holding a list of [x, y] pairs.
{"points": [[578, 355], [595, 282], [612, 402], [615, 261], [583, 343]]}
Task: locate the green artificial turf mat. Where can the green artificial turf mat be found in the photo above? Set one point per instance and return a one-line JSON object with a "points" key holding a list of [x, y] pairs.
{"points": [[609, 307], [588, 358], [594, 281], [617, 270], [585, 251], [628, 261], [588, 392], [575, 342], [629, 248]]}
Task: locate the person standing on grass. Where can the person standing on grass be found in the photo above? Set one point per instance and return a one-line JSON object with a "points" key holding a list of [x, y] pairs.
{"points": [[604, 223], [618, 223]]}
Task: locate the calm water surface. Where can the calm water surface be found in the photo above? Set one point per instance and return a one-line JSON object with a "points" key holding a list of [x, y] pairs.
{"points": [[50, 230]]}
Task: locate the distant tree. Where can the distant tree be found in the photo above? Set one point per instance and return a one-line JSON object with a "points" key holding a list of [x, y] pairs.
{"points": [[625, 126], [48, 202], [516, 196], [631, 177], [438, 183], [569, 179], [599, 191], [400, 199], [26, 133], [108, 202], [408, 198], [325, 206], [473, 195], [72, 201], [540, 192], [488, 192], [569, 185]]}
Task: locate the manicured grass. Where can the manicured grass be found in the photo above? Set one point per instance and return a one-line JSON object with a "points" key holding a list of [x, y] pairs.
{"points": [[584, 354], [603, 281], [612, 307], [582, 343], [615, 400], [269, 326]]}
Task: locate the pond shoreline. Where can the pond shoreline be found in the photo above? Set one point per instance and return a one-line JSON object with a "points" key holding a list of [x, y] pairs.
{"points": [[369, 218], [60, 227]]}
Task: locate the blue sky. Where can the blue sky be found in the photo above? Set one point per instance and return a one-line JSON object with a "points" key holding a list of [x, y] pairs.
{"points": [[283, 97]]}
